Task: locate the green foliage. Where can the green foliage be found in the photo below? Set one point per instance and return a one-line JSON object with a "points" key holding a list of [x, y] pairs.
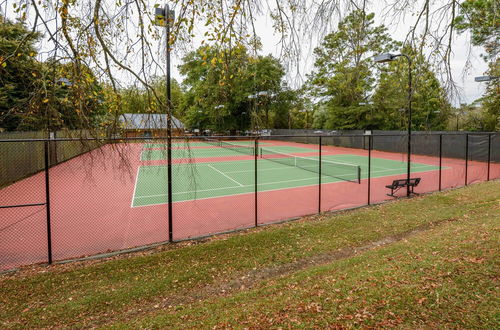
{"points": [[138, 100], [219, 82], [36, 95], [74, 98], [299, 108], [430, 108], [19, 72], [482, 115], [343, 74], [480, 17], [491, 100]]}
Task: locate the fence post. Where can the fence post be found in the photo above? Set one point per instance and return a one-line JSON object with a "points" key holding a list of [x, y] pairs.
{"points": [[466, 156], [440, 158], [47, 200], [169, 187], [256, 154], [369, 165], [489, 157], [319, 176]]}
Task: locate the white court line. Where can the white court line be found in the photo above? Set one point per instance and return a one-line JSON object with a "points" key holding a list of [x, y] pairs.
{"points": [[259, 184], [244, 193], [384, 169], [250, 185], [135, 186], [224, 188], [224, 174]]}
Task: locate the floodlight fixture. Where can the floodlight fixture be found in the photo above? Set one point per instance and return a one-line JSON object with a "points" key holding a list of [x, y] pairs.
{"points": [[485, 78], [385, 57], [164, 17], [161, 16]]}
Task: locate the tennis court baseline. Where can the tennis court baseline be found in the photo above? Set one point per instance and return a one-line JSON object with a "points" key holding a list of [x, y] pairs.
{"points": [[155, 154], [226, 178]]}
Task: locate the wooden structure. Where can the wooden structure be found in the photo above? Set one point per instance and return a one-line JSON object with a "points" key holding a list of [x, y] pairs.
{"points": [[148, 125]]}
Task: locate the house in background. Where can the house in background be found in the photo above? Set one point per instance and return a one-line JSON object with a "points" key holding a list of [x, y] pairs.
{"points": [[148, 125]]}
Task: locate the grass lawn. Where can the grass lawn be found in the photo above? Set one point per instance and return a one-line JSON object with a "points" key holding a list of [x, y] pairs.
{"points": [[430, 261]]}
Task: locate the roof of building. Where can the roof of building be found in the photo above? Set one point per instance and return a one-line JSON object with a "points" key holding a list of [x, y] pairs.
{"points": [[148, 121]]}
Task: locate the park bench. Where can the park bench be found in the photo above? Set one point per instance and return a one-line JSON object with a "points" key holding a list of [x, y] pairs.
{"points": [[400, 183]]}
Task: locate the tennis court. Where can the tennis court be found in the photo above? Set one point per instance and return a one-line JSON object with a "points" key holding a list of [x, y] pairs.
{"points": [[115, 197], [278, 167]]}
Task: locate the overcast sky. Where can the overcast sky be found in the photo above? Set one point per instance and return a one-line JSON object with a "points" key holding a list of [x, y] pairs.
{"points": [[470, 90]]}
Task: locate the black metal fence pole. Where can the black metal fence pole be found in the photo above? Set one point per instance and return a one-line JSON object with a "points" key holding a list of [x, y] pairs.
{"points": [[169, 18], [256, 154], [440, 159], [319, 176], [489, 157], [47, 201], [169, 188], [466, 156], [369, 166]]}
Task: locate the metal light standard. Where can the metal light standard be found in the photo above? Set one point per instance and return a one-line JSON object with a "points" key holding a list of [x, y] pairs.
{"points": [[485, 78], [165, 17], [387, 57]]}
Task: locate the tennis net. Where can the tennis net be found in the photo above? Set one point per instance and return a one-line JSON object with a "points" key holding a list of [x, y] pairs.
{"points": [[343, 171], [213, 142], [244, 149]]}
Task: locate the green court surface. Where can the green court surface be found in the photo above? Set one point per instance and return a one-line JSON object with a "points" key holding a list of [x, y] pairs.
{"points": [[152, 154], [218, 179]]}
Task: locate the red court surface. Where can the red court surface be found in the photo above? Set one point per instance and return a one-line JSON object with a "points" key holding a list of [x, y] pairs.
{"points": [[91, 198]]}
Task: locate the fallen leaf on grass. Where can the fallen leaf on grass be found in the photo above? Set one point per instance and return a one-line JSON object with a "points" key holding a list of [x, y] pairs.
{"points": [[421, 300]]}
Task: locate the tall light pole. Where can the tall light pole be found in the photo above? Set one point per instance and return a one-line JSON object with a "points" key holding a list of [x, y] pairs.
{"points": [[485, 78], [165, 17], [387, 57]]}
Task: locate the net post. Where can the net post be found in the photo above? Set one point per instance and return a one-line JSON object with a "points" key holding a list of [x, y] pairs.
{"points": [[256, 142], [440, 159], [369, 165], [47, 201], [319, 175], [466, 156], [489, 157]]}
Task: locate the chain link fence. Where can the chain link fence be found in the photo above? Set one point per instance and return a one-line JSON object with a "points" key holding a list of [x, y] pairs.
{"points": [[65, 197]]}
